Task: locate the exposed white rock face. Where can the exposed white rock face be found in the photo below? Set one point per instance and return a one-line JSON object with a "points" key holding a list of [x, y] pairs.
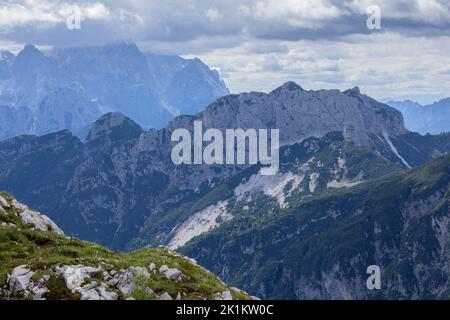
{"points": [[226, 295], [165, 296], [300, 114], [273, 186], [19, 280], [106, 295], [394, 150], [90, 294], [139, 272], [40, 221], [20, 284], [171, 274], [16, 204], [38, 289], [342, 184], [313, 182], [125, 282], [199, 223], [4, 203], [75, 276], [92, 291]]}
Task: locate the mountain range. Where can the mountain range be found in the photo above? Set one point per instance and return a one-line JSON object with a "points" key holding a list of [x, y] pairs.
{"points": [[70, 88], [355, 188], [432, 118]]}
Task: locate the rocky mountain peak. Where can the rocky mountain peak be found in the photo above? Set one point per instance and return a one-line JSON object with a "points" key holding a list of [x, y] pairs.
{"points": [[5, 55], [353, 92], [29, 65], [445, 102], [114, 125], [30, 57], [29, 49], [300, 114], [287, 86]]}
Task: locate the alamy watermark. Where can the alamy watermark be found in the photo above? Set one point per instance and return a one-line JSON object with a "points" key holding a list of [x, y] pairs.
{"points": [[73, 21], [374, 280], [374, 17], [239, 145]]}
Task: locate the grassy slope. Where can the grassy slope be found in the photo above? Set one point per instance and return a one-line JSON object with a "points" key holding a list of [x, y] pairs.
{"points": [[42, 250]]}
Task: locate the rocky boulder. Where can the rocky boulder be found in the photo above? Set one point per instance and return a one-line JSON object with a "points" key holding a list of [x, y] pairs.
{"points": [[75, 276], [19, 280], [165, 296], [226, 295], [4, 203], [139, 272], [171, 274], [40, 221]]}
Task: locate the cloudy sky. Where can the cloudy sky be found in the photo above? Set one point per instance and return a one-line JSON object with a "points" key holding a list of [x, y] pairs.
{"points": [[259, 44]]}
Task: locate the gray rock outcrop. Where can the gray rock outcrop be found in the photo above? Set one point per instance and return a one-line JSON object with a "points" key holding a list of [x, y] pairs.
{"points": [[171, 274], [40, 221], [19, 280], [225, 295]]}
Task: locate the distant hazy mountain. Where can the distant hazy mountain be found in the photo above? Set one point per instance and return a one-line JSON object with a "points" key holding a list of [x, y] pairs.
{"points": [[433, 118], [185, 85], [70, 88]]}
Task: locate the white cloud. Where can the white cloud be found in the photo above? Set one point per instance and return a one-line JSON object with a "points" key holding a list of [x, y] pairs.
{"points": [[435, 12], [47, 13], [213, 14], [258, 44], [383, 65], [297, 13]]}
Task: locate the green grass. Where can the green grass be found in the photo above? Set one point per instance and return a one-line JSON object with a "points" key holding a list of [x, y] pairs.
{"points": [[41, 251]]}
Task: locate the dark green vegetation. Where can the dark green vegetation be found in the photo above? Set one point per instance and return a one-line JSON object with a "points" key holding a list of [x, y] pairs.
{"points": [[321, 246]]}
